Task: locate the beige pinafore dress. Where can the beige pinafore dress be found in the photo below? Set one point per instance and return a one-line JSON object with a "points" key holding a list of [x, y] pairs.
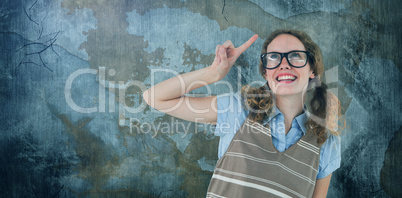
{"points": [[252, 167]]}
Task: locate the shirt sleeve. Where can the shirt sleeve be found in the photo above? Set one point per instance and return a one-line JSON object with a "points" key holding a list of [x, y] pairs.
{"points": [[230, 114], [230, 117], [330, 156]]}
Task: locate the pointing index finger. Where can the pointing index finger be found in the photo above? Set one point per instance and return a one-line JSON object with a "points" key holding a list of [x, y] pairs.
{"points": [[248, 43]]}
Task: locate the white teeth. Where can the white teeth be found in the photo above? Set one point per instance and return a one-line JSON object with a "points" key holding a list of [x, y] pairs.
{"points": [[286, 77]]}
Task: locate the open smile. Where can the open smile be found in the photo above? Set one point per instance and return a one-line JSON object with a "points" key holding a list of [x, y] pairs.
{"points": [[285, 78]]}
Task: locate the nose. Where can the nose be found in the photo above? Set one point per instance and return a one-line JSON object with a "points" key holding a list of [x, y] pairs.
{"points": [[284, 64]]}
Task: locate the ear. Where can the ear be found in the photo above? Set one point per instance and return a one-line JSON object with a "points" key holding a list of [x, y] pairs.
{"points": [[312, 75]]}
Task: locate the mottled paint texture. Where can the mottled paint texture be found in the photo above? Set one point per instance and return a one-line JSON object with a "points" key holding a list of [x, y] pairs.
{"points": [[49, 149]]}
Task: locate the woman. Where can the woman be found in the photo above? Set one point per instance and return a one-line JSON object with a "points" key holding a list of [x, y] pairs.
{"points": [[281, 149]]}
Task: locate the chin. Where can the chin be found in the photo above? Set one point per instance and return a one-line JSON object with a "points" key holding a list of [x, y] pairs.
{"points": [[286, 92]]}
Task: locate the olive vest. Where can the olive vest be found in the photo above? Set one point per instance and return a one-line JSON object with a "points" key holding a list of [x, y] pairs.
{"points": [[253, 167]]}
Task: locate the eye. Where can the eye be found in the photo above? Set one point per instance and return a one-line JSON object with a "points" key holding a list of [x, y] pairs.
{"points": [[296, 55], [273, 56]]}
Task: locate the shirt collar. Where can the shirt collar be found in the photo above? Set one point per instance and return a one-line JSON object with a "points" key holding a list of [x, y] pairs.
{"points": [[300, 119]]}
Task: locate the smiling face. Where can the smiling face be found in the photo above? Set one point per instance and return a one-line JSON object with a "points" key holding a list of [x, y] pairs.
{"points": [[285, 79]]}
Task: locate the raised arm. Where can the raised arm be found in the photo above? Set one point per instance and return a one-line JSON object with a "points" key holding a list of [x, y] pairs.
{"points": [[168, 96]]}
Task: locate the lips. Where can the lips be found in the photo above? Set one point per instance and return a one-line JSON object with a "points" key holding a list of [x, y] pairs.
{"points": [[287, 77]]}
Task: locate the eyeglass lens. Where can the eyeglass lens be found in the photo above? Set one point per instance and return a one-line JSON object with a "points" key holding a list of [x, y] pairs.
{"points": [[298, 59]]}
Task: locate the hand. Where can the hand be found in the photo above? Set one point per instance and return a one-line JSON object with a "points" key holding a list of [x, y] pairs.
{"points": [[226, 55]]}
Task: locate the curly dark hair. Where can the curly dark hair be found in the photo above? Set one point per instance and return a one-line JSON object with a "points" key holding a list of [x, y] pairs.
{"points": [[324, 107]]}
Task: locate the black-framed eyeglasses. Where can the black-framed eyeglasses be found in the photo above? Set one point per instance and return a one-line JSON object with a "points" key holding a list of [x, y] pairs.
{"points": [[296, 59]]}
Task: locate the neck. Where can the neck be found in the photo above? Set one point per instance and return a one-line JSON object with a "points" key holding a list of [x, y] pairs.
{"points": [[290, 106]]}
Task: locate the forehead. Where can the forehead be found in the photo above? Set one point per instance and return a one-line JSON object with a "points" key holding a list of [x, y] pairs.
{"points": [[285, 43]]}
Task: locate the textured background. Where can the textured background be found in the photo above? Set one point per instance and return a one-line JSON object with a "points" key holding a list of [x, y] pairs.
{"points": [[48, 148]]}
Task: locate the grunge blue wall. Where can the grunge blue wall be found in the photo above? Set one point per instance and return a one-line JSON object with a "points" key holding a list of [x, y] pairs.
{"points": [[100, 55]]}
